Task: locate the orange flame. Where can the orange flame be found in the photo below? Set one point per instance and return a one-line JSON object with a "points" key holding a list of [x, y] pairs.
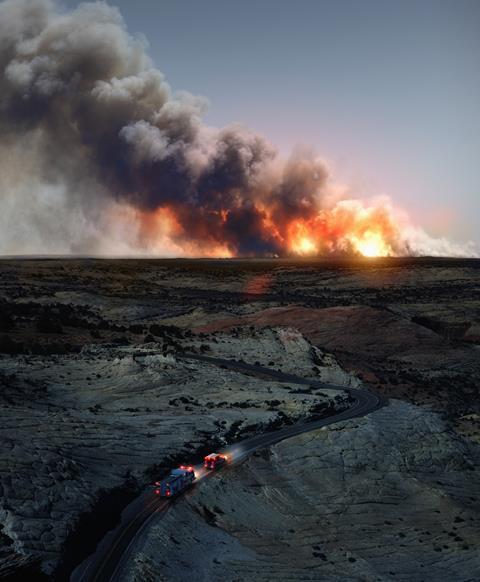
{"points": [[162, 230], [371, 244], [350, 227]]}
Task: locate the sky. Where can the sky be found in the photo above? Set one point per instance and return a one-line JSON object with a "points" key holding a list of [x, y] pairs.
{"points": [[386, 91]]}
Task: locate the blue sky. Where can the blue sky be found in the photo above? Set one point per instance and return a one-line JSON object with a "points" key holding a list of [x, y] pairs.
{"points": [[387, 91]]}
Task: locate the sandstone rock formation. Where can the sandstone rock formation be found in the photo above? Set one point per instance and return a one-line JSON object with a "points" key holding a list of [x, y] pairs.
{"points": [[393, 496]]}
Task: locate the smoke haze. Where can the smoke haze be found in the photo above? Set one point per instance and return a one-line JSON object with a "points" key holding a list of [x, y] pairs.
{"points": [[99, 156]]}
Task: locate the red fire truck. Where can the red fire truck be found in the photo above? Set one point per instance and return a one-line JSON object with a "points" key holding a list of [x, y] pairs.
{"points": [[214, 461]]}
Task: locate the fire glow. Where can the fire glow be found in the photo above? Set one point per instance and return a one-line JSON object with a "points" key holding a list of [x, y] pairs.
{"points": [[118, 164], [349, 228]]}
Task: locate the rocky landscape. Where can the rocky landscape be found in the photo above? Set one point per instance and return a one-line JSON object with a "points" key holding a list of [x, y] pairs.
{"points": [[97, 400], [392, 496]]}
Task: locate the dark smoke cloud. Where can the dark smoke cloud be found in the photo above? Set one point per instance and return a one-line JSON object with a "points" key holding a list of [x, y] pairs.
{"points": [[89, 94], [89, 126]]}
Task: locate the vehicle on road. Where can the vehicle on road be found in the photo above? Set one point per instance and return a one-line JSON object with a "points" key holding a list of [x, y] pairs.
{"points": [[214, 461], [106, 561], [178, 480]]}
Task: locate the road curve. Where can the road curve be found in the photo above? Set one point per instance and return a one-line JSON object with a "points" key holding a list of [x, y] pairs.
{"points": [[105, 565]]}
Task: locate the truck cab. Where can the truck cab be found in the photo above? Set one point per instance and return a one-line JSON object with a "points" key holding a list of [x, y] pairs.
{"points": [[214, 461]]}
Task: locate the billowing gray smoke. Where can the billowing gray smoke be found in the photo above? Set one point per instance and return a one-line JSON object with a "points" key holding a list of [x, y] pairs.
{"points": [[90, 128], [100, 122]]}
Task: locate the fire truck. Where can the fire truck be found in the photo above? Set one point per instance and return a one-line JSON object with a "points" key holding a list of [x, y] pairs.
{"points": [[214, 461], [178, 480]]}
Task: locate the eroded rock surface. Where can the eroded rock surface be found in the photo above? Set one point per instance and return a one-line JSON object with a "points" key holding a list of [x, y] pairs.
{"points": [[94, 402], [393, 496], [74, 426]]}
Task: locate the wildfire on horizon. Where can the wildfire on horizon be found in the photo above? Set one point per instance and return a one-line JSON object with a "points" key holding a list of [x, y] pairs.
{"points": [[100, 156], [349, 228]]}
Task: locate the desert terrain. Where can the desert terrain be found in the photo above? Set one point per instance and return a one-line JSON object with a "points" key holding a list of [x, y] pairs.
{"points": [[97, 401]]}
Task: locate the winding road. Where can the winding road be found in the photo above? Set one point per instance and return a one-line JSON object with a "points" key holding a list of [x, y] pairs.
{"points": [[106, 564]]}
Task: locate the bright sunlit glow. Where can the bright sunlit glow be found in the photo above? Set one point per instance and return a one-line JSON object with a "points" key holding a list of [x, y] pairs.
{"points": [[306, 246], [371, 244], [301, 239]]}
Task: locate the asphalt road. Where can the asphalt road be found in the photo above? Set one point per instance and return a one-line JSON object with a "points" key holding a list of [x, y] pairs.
{"points": [[106, 564]]}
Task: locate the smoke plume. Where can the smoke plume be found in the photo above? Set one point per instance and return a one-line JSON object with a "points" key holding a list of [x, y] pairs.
{"points": [[97, 155]]}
